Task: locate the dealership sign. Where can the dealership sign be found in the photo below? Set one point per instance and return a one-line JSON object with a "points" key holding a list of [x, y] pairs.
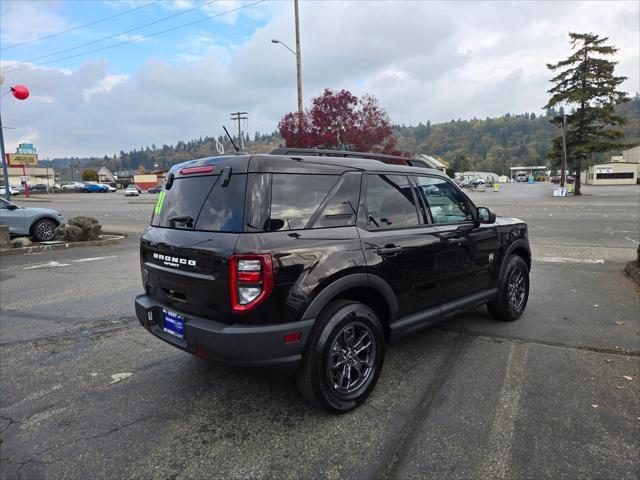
{"points": [[22, 159], [607, 169]]}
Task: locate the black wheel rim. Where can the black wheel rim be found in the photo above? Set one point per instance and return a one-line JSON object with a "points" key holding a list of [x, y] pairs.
{"points": [[516, 289], [352, 358], [45, 230]]}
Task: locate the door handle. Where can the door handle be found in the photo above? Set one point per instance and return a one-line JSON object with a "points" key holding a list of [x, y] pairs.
{"points": [[391, 250], [458, 241]]}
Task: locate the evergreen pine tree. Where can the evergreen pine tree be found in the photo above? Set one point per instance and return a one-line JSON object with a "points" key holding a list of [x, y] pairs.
{"points": [[586, 81]]}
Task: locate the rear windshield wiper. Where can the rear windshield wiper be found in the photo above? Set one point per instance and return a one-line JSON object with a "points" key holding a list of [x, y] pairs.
{"points": [[186, 220]]}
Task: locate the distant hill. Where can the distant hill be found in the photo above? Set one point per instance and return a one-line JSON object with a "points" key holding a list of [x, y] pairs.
{"points": [[491, 144]]}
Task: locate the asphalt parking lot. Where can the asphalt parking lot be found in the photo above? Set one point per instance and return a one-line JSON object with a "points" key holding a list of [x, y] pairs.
{"points": [[85, 392]]}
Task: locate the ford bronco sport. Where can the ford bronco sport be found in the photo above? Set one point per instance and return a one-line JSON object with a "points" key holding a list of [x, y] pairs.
{"points": [[308, 262]]}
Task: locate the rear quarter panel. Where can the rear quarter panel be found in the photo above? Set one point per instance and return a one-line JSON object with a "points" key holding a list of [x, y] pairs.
{"points": [[305, 261]]}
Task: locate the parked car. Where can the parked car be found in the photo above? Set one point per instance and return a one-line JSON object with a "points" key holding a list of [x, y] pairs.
{"points": [[37, 222], [156, 189], [555, 179], [12, 190], [521, 178], [95, 187], [131, 191], [108, 188], [571, 179], [305, 263], [77, 186]]}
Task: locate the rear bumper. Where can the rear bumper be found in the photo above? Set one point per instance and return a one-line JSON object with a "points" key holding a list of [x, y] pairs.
{"points": [[255, 347]]}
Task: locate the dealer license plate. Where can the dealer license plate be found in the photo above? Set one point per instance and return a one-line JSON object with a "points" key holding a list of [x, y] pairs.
{"points": [[173, 324]]}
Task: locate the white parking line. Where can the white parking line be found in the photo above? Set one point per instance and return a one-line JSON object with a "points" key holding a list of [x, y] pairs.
{"points": [[567, 260], [53, 264], [47, 265], [93, 259], [632, 240]]}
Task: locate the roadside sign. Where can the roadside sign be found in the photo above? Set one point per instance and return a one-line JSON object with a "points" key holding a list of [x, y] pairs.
{"points": [[559, 192], [24, 178], [22, 159]]}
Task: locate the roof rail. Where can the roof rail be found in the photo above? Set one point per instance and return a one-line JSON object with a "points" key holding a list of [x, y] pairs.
{"points": [[394, 159]]}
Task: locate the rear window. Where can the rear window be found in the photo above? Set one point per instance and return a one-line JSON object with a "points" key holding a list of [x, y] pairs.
{"points": [[202, 203]]}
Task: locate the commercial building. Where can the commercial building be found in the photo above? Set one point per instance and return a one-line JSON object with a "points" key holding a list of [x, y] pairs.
{"points": [[622, 170], [148, 180], [433, 162], [36, 175]]}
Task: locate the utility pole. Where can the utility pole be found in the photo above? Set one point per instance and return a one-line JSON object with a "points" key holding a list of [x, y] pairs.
{"points": [[564, 151], [238, 117], [298, 63]]}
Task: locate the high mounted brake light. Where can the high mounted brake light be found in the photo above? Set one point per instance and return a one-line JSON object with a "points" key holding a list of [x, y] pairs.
{"points": [[192, 170], [250, 280]]}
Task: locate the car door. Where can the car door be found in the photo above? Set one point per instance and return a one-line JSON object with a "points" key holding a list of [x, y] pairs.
{"points": [[399, 246], [13, 216], [468, 248]]}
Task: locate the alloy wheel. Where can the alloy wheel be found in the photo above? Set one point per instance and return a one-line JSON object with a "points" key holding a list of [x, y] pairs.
{"points": [[352, 358]]}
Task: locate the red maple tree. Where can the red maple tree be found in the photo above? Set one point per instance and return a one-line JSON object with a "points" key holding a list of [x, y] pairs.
{"points": [[338, 119]]}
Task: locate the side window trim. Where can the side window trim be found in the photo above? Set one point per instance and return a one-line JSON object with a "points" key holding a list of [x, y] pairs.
{"points": [[467, 200], [363, 211], [426, 212]]}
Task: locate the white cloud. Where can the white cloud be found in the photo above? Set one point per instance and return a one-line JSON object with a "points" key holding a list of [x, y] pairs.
{"points": [[424, 61], [24, 21]]}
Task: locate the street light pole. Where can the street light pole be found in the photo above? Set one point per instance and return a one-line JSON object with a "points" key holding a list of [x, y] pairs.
{"points": [[298, 61], [298, 55], [5, 171]]}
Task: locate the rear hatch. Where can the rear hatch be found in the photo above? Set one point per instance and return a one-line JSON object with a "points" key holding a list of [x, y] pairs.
{"points": [[193, 233]]}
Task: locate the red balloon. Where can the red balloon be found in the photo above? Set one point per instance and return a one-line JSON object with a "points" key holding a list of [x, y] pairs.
{"points": [[20, 92]]}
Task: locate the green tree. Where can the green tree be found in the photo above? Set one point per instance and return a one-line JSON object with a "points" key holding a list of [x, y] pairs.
{"points": [[586, 82], [89, 175]]}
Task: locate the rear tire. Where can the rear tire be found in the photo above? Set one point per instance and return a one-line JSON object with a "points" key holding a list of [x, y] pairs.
{"points": [[343, 358], [513, 292], [44, 230]]}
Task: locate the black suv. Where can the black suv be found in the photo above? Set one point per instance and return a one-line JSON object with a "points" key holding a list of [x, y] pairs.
{"points": [[308, 262]]}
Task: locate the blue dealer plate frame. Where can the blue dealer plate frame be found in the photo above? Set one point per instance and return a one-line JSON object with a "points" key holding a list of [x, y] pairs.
{"points": [[173, 323]]}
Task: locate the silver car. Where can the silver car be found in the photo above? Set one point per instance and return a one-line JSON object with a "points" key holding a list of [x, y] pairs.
{"points": [[37, 222]]}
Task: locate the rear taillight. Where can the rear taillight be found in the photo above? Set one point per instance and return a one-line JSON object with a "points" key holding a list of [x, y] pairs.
{"points": [[250, 280]]}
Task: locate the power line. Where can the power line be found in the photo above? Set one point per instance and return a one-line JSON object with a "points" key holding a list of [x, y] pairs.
{"points": [[86, 44], [141, 37], [81, 26]]}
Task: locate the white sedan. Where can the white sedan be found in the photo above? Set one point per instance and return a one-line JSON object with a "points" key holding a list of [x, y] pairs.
{"points": [[131, 191]]}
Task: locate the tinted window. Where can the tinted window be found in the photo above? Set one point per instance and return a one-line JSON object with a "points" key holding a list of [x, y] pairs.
{"points": [[202, 203], [295, 198], [341, 207], [446, 203], [390, 202]]}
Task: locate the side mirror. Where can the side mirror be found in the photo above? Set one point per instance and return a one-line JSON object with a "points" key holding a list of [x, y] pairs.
{"points": [[11, 206], [485, 215]]}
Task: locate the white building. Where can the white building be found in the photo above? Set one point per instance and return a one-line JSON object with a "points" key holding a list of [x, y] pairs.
{"points": [[622, 170], [432, 162]]}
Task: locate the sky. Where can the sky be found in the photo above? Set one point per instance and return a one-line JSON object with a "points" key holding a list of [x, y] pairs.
{"points": [[174, 69]]}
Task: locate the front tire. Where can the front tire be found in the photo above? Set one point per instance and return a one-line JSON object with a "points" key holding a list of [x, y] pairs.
{"points": [[343, 358], [513, 292], [44, 230]]}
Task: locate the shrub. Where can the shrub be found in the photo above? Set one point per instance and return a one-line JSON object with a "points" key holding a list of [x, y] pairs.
{"points": [[79, 229]]}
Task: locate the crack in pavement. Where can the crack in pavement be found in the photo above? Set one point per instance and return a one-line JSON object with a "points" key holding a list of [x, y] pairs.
{"points": [[547, 343], [73, 335], [422, 410]]}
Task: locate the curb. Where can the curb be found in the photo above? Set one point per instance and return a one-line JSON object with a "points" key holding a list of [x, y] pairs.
{"points": [[62, 246], [633, 270]]}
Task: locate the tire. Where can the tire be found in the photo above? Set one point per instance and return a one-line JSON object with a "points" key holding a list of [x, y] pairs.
{"points": [[513, 292], [342, 325], [44, 230]]}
